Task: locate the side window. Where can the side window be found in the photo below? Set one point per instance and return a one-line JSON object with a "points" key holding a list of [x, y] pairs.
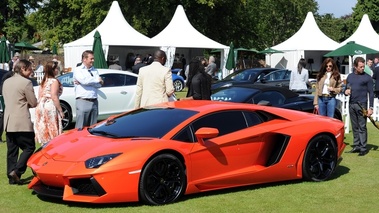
{"points": [[253, 118], [235, 121], [67, 79], [287, 75], [184, 135], [113, 80], [275, 98], [130, 80]]}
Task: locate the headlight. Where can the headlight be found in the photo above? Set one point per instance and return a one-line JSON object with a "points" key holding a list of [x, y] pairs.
{"points": [[96, 162]]}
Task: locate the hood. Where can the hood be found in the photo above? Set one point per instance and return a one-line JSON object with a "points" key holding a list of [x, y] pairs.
{"points": [[79, 146]]}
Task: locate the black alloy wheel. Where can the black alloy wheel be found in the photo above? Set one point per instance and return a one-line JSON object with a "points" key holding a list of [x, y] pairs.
{"points": [[320, 159], [163, 180]]}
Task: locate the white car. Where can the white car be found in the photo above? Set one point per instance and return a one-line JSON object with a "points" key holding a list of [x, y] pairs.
{"points": [[117, 94]]}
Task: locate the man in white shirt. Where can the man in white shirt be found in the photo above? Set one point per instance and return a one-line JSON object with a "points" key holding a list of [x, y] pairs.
{"points": [[87, 81]]}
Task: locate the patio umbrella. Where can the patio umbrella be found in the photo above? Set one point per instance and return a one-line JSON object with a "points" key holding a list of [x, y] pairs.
{"points": [[98, 52], [54, 49], [230, 61], [4, 53], [246, 50], [351, 48], [25, 46], [270, 51]]}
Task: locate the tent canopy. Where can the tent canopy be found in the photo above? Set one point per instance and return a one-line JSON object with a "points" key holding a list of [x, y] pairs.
{"points": [[364, 35], [308, 37], [169, 40], [114, 30]]}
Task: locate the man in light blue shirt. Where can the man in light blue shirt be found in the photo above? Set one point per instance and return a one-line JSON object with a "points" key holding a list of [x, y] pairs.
{"points": [[86, 81]]}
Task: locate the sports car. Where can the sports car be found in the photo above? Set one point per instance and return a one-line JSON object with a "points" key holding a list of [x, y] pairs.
{"points": [[159, 153], [269, 95]]}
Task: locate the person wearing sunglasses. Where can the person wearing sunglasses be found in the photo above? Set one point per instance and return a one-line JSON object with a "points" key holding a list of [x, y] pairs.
{"points": [[328, 85]]}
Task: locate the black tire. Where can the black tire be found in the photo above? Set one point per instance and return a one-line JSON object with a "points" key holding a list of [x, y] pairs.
{"points": [[163, 180], [320, 159], [67, 120], [178, 85]]}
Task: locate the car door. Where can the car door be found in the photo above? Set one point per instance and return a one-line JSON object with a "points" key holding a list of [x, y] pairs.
{"points": [[117, 94], [279, 78], [236, 147]]}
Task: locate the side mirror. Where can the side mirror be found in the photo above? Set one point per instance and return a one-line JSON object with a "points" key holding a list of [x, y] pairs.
{"points": [[264, 80], [205, 133]]}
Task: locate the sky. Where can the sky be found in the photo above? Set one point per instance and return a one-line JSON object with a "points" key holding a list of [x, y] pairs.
{"points": [[337, 7]]}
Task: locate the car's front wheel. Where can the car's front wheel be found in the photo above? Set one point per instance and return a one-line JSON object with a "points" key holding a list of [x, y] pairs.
{"points": [[320, 158], [178, 85], [163, 180], [66, 121]]}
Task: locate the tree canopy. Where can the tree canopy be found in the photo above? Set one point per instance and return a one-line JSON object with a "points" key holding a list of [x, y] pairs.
{"points": [[247, 23]]}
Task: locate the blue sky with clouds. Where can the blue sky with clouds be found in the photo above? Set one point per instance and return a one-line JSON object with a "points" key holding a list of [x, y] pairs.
{"points": [[337, 7]]}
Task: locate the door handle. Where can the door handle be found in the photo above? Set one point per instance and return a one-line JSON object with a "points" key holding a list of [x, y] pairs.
{"points": [[124, 92]]}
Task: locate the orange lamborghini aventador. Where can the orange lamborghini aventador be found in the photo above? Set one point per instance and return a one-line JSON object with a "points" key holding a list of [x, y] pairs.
{"points": [[160, 153]]}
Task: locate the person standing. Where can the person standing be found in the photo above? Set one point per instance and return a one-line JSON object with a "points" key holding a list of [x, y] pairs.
{"points": [[359, 86], [375, 76], [328, 85], [48, 113], [299, 78], [137, 65], [211, 68], [87, 82], [198, 83], [154, 83], [19, 96], [368, 68]]}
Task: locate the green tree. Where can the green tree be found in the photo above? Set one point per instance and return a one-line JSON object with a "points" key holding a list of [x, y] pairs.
{"points": [[13, 18]]}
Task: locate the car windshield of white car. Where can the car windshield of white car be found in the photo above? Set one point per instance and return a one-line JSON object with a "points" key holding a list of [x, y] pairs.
{"points": [[144, 122]]}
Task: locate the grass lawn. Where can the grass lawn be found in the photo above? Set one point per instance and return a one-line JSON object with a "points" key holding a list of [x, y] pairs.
{"points": [[354, 187]]}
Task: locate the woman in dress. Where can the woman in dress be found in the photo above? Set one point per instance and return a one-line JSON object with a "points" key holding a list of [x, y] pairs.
{"points": [[299, 78], [199, 82], [49, 114], [328, 85]]}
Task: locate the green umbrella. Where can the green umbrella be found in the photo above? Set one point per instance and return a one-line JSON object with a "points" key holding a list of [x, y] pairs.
{"points": [[245, 50], [25, 46], [55, 49], [98, 52], [230, 61], [215, 51], [4, 53], [270, 51], [351, 48]]}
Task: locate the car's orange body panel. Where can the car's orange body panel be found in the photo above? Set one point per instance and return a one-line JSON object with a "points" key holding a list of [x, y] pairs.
{"points": [[230, 160]]}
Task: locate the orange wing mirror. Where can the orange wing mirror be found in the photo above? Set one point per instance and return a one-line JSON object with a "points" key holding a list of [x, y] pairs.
{"points": [[205, 133]]}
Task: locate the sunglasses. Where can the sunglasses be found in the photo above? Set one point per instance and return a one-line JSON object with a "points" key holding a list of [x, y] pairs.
{"points": [[329, 66]]}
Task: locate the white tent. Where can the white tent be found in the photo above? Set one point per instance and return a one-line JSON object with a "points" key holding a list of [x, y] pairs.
{"points": [[308, 42], [116, 34], [179, 33]]}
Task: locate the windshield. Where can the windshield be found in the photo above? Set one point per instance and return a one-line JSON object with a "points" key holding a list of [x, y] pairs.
{"points": [[244, 75], [233, 94], [66, 80], [143, 122]]}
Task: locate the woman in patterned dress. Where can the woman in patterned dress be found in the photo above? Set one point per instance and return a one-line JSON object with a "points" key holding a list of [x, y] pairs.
{"points": [[49, 114]]}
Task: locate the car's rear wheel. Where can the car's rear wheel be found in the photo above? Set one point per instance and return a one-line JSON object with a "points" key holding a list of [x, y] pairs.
{"points": [[320, 158], [163, 180], [66, 121], [178, 85]]}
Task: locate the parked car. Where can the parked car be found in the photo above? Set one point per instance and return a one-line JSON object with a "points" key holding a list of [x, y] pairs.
{"points": [[159, 153], [117, 94], [280, 78], [269, 95], [242, 77]]}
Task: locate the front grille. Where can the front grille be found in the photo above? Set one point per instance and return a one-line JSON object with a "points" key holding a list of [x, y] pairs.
{"points": [[86, 186]]}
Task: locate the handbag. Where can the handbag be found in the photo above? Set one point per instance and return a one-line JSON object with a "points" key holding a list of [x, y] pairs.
{"points": [[315, 111]]}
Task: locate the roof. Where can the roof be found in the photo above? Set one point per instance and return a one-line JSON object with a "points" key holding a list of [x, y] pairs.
{"points": [[192, 39], [114, 30], [364, 35], [308, 37]]}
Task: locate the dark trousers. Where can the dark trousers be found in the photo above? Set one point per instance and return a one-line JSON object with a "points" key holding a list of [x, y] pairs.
{"points": [[15, 141], [358, 125]]}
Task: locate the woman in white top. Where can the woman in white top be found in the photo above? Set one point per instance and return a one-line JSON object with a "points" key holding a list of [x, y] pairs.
{"points": [[299, 78]]}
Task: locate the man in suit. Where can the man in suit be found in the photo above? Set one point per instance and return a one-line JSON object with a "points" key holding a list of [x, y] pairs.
{"points": [[18, 98], [154, 83]]}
